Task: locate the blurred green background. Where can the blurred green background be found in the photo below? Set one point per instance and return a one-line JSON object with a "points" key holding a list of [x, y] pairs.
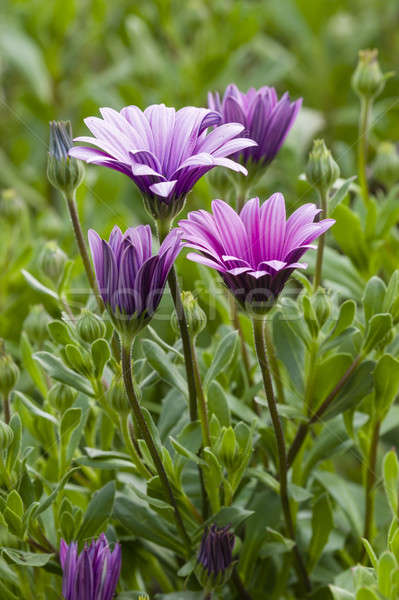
{"points": [[62, 59]]}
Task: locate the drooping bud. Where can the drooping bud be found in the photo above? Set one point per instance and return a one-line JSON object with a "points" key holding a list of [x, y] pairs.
{"points": [[321, 306], [6, 436], [90, 327], [64, 172], [12, 206], [368, 80], [61, 397], [36, 324], [215, 558], [321, 171], [386, 164], [52, 261], [117, 396], [9, 371], [196, 317]]}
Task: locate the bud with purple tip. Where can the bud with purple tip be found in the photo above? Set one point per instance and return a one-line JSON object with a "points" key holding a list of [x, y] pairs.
{"points": [[215, 558]]}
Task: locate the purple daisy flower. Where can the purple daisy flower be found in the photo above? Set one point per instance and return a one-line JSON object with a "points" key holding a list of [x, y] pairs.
{"points": [[93, 574], [164, 151], [130, 278], [267, 120], [215, 556], [255, 251]]}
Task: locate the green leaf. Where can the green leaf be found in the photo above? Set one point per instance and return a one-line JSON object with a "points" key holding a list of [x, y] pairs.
{"points": [[100, 353], [224, 354], [370, 552], [58, 371], [218, 404], [348, 496], [378, 327], [70, 422], [353, 245], [322, 525], [332, 440], [340, 594], [48, 500], [356, 389], [386, 566], [39, 287], [26, 559], [346, 314], [30, 365], [391, 479], [386, 383], [162, 364], [373, 297], [60, 332], [340, 194], [366, 594], [98, 512]]}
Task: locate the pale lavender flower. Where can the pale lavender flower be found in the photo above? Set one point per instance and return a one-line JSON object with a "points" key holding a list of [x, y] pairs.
{"points": [[256, 251], [267, 120], [164, 151], [93, 574], [130, 278]]}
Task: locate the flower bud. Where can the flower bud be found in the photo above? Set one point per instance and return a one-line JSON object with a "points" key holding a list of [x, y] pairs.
{"points": [[386, 164], [78, 359], [227, 449], [321, 306], [61, 397], [36, 324], [12, 207], [321, 171], [52, 261], [215, 560], [9, 371], [196, 317], [117, 396], [6, 436], [90, 327], [368, 80], [64, 172]]}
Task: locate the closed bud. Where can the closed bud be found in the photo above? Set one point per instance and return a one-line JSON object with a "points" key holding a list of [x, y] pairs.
{"points": [[52, 262], [61, 397], [6, 436], [321, 171], [117, 396], [386, 164], [12, 207], [9, 371], [36, 324], [64, 172], [368, 80], [78, 359], [227, 449], [215, 559], [196, 317], [321, 306], [90, 327]]}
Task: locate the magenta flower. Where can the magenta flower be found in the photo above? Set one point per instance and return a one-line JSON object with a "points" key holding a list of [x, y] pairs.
{"points": [[130, 278], [93, 574], [255, 252], [267, 120], [164, 151]]}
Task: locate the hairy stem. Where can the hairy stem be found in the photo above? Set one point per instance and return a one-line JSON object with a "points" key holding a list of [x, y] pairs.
{"points": [[202, 403], [258, 325], [274, 366], [235, 318], [142, 469], [145, 432], [305, 427], [365, 109], [370, 484], [320, 246]]}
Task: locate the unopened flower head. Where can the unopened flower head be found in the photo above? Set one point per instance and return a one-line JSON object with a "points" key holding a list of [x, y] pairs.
{"points": [[368, 80], [93, 574], [64, 173], [321, 171], [256, 251], [164, 151], [267, 120], [215, 558], [130, 278]]}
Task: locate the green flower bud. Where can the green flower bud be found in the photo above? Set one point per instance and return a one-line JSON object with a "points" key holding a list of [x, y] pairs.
{"points": [[36, 324], [64, 172], [368, 80], [50, 225], [117, 396], [386, 164], [196, 317], [90, 327], [61, 397], [321, 306], [9, 371], [321, 171], [78, 359], [12, 207], [6, 436], [52, 261], [227, 447]]}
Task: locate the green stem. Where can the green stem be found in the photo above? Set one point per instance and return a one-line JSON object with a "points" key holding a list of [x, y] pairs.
{"points": [[235, 318], [142, 469], [310, 379], [145, 432], [305, 427], [365, 110], [259, 337], [163, 229], [201, 400], [370, 484], [320, 246], [274, 366], [73, 211]]}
